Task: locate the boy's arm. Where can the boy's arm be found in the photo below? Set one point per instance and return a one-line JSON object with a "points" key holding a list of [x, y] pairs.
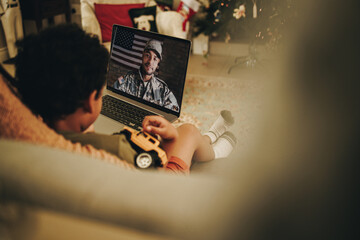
{"points": [[160, 126]]}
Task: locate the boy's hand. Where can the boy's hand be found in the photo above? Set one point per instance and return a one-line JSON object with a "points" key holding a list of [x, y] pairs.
{"points": [[161, 126]]}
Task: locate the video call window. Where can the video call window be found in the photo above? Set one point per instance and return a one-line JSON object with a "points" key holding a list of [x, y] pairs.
{"points": [[137, 56]]}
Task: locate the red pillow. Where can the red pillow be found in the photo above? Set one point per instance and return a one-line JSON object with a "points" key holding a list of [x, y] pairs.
{"points": [[109, 14]]}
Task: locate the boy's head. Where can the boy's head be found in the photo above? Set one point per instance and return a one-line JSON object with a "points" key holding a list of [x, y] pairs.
{"points": [[59, 69]]}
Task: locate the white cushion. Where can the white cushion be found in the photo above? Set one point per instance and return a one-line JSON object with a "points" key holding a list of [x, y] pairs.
{"points": [[107, 45], [171, 23], [89, 21]]}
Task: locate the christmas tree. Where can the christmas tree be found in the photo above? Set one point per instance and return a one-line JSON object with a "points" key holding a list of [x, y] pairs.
{"points": [[244, 20]]}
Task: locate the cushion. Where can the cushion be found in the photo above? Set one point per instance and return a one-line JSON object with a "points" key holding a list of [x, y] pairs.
{"points": [[110, 14], [89, 22], [171, 23], [144, 18]]}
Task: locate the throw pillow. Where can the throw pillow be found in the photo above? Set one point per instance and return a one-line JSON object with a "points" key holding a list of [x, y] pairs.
{"points": [[144, 18], [110, 14]]}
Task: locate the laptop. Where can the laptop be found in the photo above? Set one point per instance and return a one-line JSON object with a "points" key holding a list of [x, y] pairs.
{"points": [[142, 81]]}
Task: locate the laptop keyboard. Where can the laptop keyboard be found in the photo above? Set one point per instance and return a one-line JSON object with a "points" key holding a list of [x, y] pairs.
{"points": [[124, 112]]}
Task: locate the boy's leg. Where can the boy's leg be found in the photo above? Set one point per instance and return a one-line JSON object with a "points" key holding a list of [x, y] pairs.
{"points": [[190, 144], [220, 126]]}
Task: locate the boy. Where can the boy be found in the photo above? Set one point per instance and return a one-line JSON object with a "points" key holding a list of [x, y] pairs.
{"points": [[61, 75]]}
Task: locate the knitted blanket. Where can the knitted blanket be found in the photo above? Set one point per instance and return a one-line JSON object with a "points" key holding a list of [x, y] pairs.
{"points": [[19, 123]]}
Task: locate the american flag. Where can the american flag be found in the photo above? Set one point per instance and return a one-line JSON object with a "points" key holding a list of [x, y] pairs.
{"points": [[128, 47]]}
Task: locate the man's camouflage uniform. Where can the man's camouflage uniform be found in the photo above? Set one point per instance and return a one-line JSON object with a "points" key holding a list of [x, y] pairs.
{"points": [[155, 90]]}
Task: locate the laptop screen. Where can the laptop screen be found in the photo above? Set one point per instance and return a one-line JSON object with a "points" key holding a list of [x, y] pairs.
{"points": [[148, 67]]}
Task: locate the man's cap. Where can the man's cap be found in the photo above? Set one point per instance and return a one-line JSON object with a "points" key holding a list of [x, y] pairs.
{"points": [[155, 46]]}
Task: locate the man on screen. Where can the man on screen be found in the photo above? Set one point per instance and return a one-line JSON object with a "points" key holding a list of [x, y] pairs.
{"points": [[143, 82]]}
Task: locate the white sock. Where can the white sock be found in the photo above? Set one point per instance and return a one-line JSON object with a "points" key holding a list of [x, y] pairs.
{"points": [[224, 145], [221, 125]]}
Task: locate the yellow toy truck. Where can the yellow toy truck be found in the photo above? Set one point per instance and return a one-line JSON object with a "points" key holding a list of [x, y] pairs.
{"points": [[147, 147]]}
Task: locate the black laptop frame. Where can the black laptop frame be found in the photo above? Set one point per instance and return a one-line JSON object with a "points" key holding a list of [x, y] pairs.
{"points": [[156, 36]]}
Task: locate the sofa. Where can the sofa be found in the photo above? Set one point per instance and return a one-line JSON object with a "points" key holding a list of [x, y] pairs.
{"points": [[47, 182], [168, 22], [49, 193]]}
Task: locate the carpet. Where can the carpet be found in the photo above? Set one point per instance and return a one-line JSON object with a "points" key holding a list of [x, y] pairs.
{"points": [[204, 98]]}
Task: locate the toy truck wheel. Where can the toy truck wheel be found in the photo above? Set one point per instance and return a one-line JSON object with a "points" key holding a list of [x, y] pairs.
{"points": [[144, 160]]}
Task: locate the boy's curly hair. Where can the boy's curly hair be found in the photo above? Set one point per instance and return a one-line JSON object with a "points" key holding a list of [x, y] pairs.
{"points": [[57, 69]]}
